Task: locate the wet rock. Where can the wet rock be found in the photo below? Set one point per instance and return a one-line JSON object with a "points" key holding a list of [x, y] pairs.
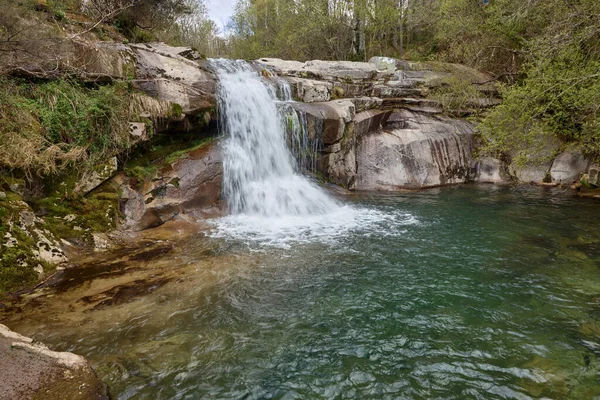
{"points": [[427, 152], [568, 166], [331, 118], [189, 184], [29, 370], [98, 176], [162, 72]]}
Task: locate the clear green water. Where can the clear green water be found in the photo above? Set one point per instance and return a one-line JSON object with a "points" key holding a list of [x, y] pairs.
{"points": [[494, 293]]}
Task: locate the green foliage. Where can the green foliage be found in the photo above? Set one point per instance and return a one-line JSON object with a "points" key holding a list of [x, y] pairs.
{"points": [[456, 93], [559, 95], [46, 127]]}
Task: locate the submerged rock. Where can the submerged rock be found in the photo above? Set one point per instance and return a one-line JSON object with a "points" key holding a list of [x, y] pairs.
{"points": [[30, 370]]}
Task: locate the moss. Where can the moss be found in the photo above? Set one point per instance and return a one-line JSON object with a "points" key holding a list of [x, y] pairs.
{"points": [[176, 110], [337, 93], [171, 158]]}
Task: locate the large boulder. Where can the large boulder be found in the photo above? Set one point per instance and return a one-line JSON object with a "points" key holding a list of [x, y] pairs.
{"points": [[30, 370], [190, 184], [533, 164], [173, 74], [426, 152], [568, 166]]}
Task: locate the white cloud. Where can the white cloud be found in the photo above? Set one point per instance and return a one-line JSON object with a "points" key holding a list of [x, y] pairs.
{"points": [[221, 11]]}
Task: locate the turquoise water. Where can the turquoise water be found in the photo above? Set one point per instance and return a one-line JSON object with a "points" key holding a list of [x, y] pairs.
{"points": [[484, 293]]}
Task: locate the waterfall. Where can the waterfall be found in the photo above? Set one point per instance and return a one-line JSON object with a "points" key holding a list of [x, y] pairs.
{"points": [[266, 148], [261, 175]]}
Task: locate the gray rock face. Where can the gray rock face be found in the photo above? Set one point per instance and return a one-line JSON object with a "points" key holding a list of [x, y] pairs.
{"points": [[538, 162], [322, 70], [311, 91], [163, 72], [568, 166], [489, 170], [427, 152], [29, 369], [190, 184]]}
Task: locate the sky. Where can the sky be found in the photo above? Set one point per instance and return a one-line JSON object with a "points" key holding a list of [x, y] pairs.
{"points": [[220, 11]]}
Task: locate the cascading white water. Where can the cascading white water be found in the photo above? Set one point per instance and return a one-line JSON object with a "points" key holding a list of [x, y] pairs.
{"points": [[260, 175], [270, 201]]}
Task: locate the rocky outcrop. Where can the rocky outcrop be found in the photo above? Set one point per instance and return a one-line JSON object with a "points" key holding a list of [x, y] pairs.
{"points": [[176, 75], [29, 370], [190, 184], [424, 152], [386, 133]]}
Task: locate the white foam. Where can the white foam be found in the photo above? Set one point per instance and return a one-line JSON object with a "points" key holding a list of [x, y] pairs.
{"points": [[327, 229]]}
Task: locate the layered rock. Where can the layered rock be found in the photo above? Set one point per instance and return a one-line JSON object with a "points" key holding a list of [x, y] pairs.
{"points": [[29, 370], [386, 133], [176, 75]]}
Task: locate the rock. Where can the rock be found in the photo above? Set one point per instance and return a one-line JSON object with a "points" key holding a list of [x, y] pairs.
{"points": [[101, 241], [281, 67], [61, 56], [323, 70], [48, 250], [388, 65], [366, 103], [311, 91], [371, 120], [163, 72], [569, 166], [99, 175], [138, 132], [594, 175], [428, 152], [28, 370], [329, 118], [189, 184], [538, 162], [489, 170], [40, 271], [2, 195]]}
